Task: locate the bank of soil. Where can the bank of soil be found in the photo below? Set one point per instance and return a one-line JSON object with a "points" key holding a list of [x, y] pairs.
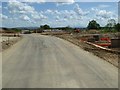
{"points": [[111, 57], [5, 44]]}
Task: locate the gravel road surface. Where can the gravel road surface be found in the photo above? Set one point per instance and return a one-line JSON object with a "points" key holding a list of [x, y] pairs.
{"points": [[39, 61]]}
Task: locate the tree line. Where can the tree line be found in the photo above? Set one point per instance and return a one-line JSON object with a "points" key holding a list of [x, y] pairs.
{"points": [[11, 30], [110, 25], [93, 24]]}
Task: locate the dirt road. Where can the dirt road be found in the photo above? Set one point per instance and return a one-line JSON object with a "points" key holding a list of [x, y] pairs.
{"points": [[39, 61]]}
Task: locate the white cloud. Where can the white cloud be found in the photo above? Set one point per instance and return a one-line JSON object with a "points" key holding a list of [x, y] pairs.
{"points": [[12, 0], [62, 1], [70, 14], [66, 0], [39, 0], [42, 16], [56, 12], [62, 15], [0, 9], [104, 14], [35, 16], [25, 18], [103, 6], [3, 16], [79, 11], [48, 11], [38, 16], [119, 19], [36, 1], [18, 7], [0, 6], [93, 9], [53, 12], [25, 12], [74, 17], [57, 18]]}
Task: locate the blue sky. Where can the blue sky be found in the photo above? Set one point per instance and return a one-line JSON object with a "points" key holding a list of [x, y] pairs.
{"points": [[73, 14]]}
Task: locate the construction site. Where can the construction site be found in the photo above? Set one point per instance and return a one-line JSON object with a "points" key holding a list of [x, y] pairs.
{"points": [[105, 46]]}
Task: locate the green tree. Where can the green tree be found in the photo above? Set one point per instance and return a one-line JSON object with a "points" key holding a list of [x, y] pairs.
{"points": [[16, 30], [93, 25], [117, 27], [110, 25], [45, 27], [67, 29]]}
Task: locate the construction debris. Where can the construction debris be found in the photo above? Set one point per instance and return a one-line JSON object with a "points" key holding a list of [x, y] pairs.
{"points": [[109, 55]]}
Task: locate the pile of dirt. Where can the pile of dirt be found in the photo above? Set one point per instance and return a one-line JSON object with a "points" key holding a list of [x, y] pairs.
{"points": [[110, 57], [5, 44]]}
